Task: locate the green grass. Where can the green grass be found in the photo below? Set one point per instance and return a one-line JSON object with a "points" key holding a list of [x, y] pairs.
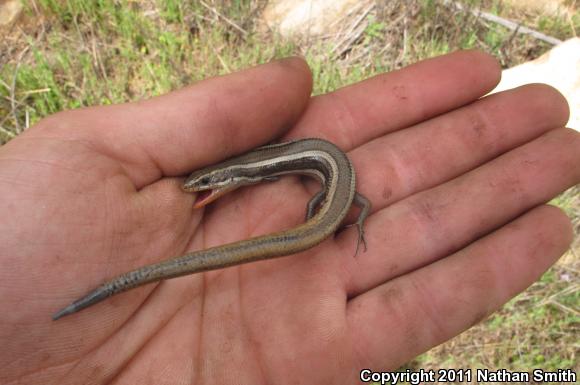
{"points": [[102, 52], [78, 53], [107, 52]]}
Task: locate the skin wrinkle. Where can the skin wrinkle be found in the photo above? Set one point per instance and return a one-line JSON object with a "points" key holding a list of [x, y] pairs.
{"points": [[387, 193], [120, 223], [196, 359], [541, 102], [478, 317], [488, 136], [124, 234], [419, 109], [250, 226], [146, 156], [171, 218], [111, 222], [245, 326], [124, 160], [157, 164], [412, 332], [153, 163], [34, 134], [223, 344], [152, 159], [87, 357], [483, 279], [332, 329], [421, 174], [509, 183], [539, 240], [224, 128], [400, 92], [20, 379], [425, 212], [478, 124], [494, 145], [53, 164], [405, 181], [154, 334], [14, 182], [345, 117], [492, 106], [188, 232], [347, 142], [348, 272], [53, 125], [393, 174], [158, 287], [407, 155], [133, 223], [195, 232], [487, 275], [437, 331], [564, 136], [393, 296], [67, 362], [359, 351], [477, 283]]}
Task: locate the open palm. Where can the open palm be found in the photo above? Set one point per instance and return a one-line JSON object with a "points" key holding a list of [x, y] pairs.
{"points": [[458, 226]]}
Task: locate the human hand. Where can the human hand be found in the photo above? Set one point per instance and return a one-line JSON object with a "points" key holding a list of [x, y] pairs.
{"points": [[458, 226]]}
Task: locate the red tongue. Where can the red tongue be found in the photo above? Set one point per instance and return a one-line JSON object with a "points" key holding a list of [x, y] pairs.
{"points": [[202, 198]]}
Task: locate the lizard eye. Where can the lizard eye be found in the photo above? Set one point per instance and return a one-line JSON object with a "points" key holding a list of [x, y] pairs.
{"points": [[205, 180]]}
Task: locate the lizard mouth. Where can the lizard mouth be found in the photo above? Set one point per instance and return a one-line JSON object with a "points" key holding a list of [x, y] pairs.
{"points": [[205, 197]]}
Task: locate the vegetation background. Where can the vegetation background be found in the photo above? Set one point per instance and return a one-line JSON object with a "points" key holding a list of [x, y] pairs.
{"points": [[65, 54]]}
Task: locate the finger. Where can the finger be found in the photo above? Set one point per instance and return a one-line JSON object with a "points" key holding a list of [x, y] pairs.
{"points": [[195, 126], [395, 166], [372, 108], [404, 317], [357, 113], [432, 224]]}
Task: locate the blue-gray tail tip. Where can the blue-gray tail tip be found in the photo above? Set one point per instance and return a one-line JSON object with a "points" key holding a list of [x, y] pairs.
{"points": [[64, 312], [97, 295]]}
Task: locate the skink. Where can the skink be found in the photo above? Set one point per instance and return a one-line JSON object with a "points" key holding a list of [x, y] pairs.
{"points": [[325, 212]]}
